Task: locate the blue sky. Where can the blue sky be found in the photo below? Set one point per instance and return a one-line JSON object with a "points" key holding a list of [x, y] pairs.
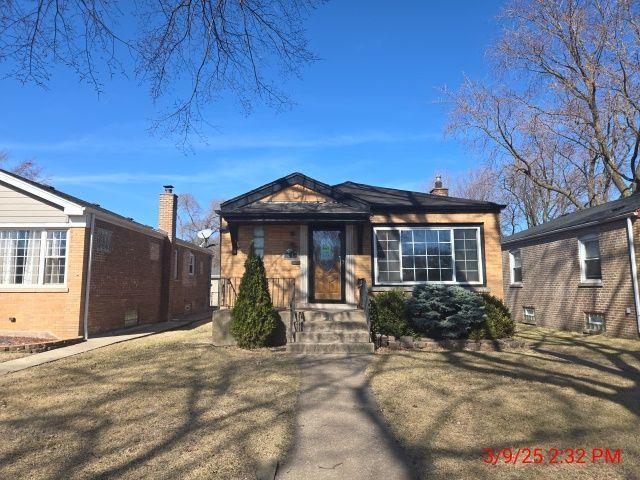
{"points": [[367, 111]]}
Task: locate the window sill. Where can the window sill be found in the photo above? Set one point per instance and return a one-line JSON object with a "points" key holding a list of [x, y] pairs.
{"points": [[593, 284], [34, 289], [515, 285]]}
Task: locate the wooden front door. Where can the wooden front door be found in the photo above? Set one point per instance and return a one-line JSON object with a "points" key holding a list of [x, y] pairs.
{"points": [[327, 256]]}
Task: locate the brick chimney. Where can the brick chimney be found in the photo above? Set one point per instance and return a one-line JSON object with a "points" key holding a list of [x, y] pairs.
{"points": [[167, 212], [439, 189]]}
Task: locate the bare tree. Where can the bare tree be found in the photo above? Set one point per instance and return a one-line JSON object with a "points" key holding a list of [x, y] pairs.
{"points": [[526, 204], [197, 224], [190, 52], [25, 168], [563, 106]]}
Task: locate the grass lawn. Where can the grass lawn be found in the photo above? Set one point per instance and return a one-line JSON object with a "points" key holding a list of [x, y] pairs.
{"points": [[165, 406], [6, 356], [568, 391]]}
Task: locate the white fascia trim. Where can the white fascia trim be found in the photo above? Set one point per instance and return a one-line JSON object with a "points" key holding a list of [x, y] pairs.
{"points": [[79, 223], [128, 224], [50, 196]]}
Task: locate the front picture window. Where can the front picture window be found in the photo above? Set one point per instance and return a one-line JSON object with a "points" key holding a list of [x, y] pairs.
{"points": [[427, 254]]}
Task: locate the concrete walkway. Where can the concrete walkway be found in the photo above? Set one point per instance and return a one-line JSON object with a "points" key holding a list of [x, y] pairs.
{"points": [[95, 342], [339, 432]]}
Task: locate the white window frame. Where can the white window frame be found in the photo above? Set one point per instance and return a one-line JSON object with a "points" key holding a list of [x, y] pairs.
{"points": [[512, 266], [41, 260], [582, 255], [589, 325], [191, 265], [400, 228], [525, 315]]}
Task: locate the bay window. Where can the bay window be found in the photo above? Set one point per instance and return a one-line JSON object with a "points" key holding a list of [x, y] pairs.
{"points": [[427, 254], [33, 257]]}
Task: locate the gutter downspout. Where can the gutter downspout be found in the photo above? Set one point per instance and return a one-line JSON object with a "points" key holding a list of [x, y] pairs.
{"points": [[87, 287], [634, 270]]}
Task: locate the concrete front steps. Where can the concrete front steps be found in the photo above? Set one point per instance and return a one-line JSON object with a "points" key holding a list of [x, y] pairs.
{"points": [[332, 331]]}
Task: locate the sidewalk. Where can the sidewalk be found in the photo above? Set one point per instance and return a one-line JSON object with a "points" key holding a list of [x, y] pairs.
{"points": [[96, 342], [340, 433]]}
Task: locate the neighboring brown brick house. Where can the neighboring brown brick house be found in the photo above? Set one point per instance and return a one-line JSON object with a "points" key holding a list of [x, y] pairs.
{"points": [[69, 268], [577, 272], [320, 240]]}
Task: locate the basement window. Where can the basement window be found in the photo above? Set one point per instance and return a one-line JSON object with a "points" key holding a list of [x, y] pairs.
{"points": [[595, 323], [529, 314]]}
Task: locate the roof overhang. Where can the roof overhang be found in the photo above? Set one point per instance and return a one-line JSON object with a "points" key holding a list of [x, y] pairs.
{"points": [[48, 196], [509, 242]]}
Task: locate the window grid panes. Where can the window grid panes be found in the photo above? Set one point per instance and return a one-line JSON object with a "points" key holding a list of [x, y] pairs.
{"points": [[591, 252], [32, 257], [414, 255], [56, 253], [466, 248], [388, 255]]}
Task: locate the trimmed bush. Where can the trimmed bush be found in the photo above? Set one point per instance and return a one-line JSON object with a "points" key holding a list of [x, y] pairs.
{"points": [[498, 323], [442, 311], [387, 313], [253, 319]]}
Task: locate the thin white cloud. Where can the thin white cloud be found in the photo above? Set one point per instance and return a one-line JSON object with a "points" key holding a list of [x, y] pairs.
{"points": [[105, 144]]}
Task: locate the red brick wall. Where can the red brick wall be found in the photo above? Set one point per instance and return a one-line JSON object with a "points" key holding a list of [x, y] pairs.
{"points": [[58, 310], [126, 276], [189, 294], [551, 281]]}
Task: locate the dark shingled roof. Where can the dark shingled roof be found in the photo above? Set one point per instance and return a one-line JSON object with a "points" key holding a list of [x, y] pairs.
{"points": [[383, 197], [294, 207], [590, 216], [349, 199]]}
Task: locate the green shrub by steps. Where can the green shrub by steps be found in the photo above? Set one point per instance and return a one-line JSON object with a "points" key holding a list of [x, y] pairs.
{"points": [[253, 317], [387, 313], [442, 311], [498, 323]]}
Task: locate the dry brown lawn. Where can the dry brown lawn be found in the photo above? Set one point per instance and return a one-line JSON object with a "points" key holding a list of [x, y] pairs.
{"points": [[567, 391], [6, 356], [165, 406]]}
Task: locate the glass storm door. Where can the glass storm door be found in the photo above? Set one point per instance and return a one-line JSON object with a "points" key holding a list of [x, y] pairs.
{"points": [[327, 265]]}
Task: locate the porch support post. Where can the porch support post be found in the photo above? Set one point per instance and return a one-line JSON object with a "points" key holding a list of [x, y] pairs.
{"points": [[359, 231], [350, 274], [303, 253]]}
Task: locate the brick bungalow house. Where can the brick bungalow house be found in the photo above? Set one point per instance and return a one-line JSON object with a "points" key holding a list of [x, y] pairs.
{"points": [[577, 272], [320, 242], [70, 268]]}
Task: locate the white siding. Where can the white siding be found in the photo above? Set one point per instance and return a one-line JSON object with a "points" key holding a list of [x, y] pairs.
{"points": [[17, 207]]}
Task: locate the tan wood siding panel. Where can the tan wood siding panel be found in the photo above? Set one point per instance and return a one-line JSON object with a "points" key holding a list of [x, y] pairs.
{"points": [[16, 207], [296, 193]]}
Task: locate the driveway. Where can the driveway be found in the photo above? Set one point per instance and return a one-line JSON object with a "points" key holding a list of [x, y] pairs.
{"points": [[339, 431]]}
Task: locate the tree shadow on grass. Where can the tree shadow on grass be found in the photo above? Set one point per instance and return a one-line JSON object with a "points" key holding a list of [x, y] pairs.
{"points": [[160, 410], [567, 391]]}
